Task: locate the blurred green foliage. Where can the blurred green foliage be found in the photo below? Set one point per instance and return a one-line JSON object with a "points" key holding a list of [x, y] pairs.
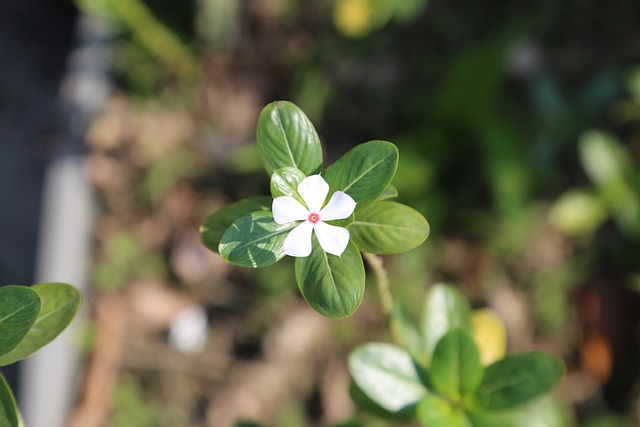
{"points": [[131, 407]]}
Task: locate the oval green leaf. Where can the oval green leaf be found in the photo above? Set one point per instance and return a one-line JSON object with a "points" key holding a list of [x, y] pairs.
{"points": [[518, 379], [445, 309], [255, 240], [331, 285], [18, 311], [216, 224], [455, 366], [434, 411], [364, 172], [387, 375], [8, 408], [284, 182], [286, 137], [60, 304], [388, 228]]}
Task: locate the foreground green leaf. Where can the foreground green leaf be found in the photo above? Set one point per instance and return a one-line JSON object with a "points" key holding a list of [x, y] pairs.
{"points": [[286, 137], [518, 379], [60, 303], [387, 375], [214, 227], [388, 228], [364, 172], [255, 240], [19, 308], [390, 192], [331, 285], [455, 367], [445, 309], [8, 408]]}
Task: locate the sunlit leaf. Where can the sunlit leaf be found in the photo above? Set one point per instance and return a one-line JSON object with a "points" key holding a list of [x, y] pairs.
{"points": [[365, 403], [8, 409], [60, 303], [603, 158], [255, 240], [388, 228], [286, 137], [216, 224], [387, 375], [331, 285], [364, 172], [445, 309], [518, 379], [19, 308]]}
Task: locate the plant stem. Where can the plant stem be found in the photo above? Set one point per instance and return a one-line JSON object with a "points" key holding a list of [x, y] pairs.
{"points": [[382, 280]]}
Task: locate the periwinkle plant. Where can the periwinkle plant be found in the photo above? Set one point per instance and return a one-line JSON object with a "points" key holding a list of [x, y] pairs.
{"points": [[325, 236], [438, 377]]}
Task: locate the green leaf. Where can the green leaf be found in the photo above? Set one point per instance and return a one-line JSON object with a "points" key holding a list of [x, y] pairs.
{"points": [[445, 309], [387, 375], [518, 379], [19, 309], [364, 402], [391, 192], [364, 172], [331, 285], [388, 228], [455, 367], [434, 411], [284, 182], [547, 412], [604, 158], [286, 137], [59, 304], [8, 408], [217, 223], [255, 240], [405, 330]]}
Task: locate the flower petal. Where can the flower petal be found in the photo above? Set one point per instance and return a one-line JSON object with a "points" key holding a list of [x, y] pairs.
{"points": [[340, 206], [313, 190], [287, 209], [298, 241], [332, 239]]}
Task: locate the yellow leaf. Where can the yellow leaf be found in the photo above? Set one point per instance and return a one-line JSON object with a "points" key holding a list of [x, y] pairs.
{"points": [[490, 335], [353, 17]]}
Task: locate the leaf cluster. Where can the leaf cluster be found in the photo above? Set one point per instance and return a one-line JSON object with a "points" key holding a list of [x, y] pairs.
{"points": [[245, 233], [441, 381], [30, 318]]}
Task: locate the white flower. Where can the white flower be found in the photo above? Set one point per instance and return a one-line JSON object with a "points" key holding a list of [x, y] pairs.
{"points": [[313, 190]]}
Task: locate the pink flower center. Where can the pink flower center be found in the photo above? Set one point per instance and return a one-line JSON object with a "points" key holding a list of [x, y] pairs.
{"points": [[314, 217]]}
